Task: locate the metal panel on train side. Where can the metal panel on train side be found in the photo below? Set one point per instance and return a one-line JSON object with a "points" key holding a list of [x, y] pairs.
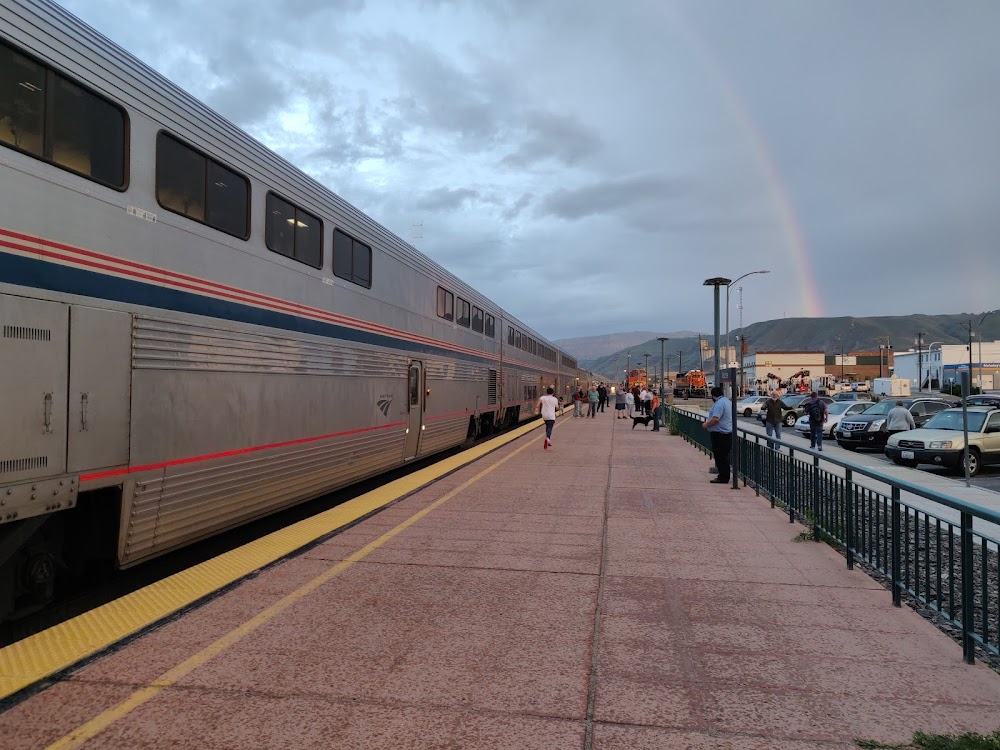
{"points": [[99, 376], [33, 351]]}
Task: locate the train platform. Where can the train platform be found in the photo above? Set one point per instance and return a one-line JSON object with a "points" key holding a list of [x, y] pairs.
{"points": [[599, 594]]}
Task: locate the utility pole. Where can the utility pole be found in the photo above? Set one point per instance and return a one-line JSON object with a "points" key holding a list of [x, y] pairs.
{"points": [[920, 359], [886, 348], [663, 391]]}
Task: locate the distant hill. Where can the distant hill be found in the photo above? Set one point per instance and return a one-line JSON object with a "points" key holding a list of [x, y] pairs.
{"points": [[804, 334], [595, 347]]}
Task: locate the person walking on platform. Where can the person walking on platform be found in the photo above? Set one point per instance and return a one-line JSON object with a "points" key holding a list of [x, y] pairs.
{"points": [[620, 404], [774, 409], [720, 429], [629, 404], [577, 403], [592, 398], [547, 406], [602, 397]]}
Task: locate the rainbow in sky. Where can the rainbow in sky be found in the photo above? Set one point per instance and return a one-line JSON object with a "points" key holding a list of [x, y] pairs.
{"points": [[794, 240]]}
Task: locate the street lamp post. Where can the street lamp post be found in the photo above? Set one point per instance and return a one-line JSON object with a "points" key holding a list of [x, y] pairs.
{"points": [[646, 371], [717, 282], [980, 378], [728, 287], [663, 391], [920, 361], [938, 368]]}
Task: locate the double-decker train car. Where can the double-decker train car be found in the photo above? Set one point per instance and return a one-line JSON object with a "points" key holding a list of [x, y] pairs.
{"points": [[194, 332]]}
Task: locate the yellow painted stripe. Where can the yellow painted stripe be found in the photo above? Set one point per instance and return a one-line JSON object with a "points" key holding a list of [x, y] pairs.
{"points": [[99, 723], [43, 654]]}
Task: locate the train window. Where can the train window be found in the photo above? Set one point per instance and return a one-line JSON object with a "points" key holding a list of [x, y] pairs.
{"points": [[226, 200], [491, 326], [50, 117], [290, 231], [352, 259], [464, 317], [445, 304], [477, 319], [192, 185], [414, 382]]}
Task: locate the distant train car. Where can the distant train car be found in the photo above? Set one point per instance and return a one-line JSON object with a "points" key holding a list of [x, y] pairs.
{"points": [[195, 333]]}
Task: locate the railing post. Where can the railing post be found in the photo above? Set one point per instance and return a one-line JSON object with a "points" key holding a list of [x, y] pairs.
{"points": [[772, 471], [849, 489], [757, 455], [897, 598], [815, 498], [968, 611], [791, 485]]}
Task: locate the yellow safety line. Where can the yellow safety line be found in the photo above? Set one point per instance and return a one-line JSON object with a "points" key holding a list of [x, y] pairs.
{"points": [[43, 654], [101, 722]]}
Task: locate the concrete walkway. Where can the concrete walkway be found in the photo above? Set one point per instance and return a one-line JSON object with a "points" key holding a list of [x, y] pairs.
{"points": [[601, 594]]}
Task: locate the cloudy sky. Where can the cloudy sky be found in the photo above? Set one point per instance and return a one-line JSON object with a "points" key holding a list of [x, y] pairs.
{"points": [[588, 164]]}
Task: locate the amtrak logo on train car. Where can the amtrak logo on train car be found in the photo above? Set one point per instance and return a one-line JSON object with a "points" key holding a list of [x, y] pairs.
{"points": [[383, 405]]}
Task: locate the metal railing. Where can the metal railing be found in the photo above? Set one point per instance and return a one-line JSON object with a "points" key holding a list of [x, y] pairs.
{"points": [[944, 566]]}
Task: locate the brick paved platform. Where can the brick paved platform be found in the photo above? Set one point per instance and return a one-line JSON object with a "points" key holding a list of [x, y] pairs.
{"points": [[601, 594]]}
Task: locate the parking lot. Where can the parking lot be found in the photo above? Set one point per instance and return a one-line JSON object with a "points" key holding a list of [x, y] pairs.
{"points": [[989, 477]]}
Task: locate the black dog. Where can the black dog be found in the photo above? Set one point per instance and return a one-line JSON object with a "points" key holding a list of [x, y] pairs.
{"points": [[644, 421]]}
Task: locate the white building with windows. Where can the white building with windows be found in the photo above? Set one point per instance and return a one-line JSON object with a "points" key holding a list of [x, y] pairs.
{"points": [[938, 366]]}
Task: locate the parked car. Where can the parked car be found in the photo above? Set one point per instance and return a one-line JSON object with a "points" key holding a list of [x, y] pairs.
{"points": [[941, 441], [983, 399], [868, 430], [750, 405], [836, 412], [854, 396]]}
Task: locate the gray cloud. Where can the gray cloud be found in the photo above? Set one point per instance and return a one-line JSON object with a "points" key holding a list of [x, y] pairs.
{"points": [[444, 199], [553, 136], [847, 147], [610, 196]]}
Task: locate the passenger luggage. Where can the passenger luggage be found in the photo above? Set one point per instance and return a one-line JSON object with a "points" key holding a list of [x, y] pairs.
{"points": [[815, 411]]}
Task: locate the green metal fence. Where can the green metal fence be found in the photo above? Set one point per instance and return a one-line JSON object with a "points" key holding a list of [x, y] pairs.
{"points": [[944, 566]]}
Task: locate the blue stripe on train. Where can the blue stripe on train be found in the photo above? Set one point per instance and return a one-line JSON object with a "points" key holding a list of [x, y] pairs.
{"points": [[15, 269]]}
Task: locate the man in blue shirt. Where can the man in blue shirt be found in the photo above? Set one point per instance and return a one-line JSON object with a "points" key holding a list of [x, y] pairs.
{"points": [[720, 429]]}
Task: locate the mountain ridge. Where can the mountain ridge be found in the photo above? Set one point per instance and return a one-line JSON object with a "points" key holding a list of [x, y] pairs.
{"points": [[829, 335]]}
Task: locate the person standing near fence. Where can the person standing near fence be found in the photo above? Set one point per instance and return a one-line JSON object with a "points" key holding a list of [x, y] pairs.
{"points": [[774, 411], [720, 430], [817, 413]]}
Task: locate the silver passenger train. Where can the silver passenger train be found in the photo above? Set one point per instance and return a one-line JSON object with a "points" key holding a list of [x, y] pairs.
{"points": [[195, 333]]}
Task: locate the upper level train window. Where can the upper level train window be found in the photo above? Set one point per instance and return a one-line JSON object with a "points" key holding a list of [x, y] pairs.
{"points": [[445, 304], [291, 231], [191, 184], [352, 259], [50, 117], [491, 326], [477, 319], [463, 315]]}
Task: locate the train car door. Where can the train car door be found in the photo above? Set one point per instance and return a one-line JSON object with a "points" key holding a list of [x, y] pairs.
{"points": [[415, 405], [33, 386]]}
